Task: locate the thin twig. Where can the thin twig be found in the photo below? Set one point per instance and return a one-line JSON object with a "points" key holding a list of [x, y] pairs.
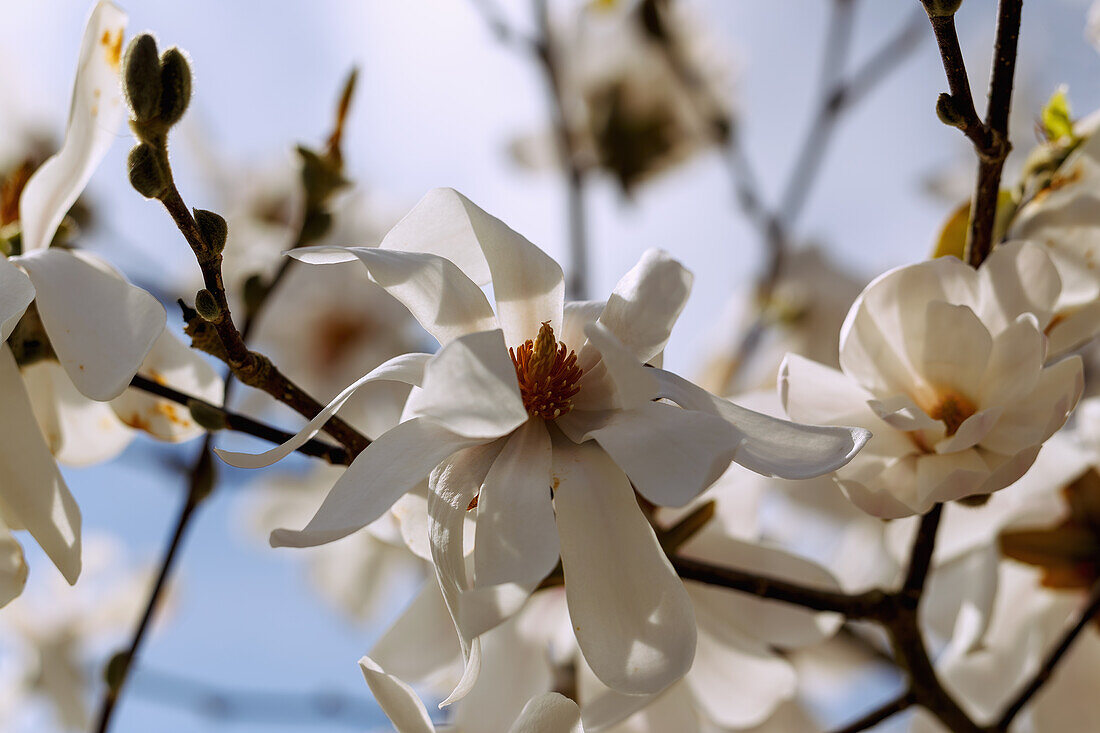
{"points": [[241, 423], [1046, 670], [879, 714], [920, 559]]}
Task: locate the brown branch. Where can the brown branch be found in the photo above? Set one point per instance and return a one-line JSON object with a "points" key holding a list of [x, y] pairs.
{"points": [[920, 559], [241, 423], [879, 714], [962, 113], [867, 605], [1046, 670]]}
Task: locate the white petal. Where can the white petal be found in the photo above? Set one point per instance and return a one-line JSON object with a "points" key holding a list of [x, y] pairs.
{"points": [[814, 393], [576, 315], [1037, 416], [33, 496], [1077, 326], [80, 432], [631, 614], [772, 447], [972, 430], [422, 641], [394, 463], [13, 567], [407, 368], [452, 486], [613, 377], [171, 363], [670, 454], [100, 326], [397, 699], [16, 293], [956, 347], [549, 713], [517, 540], [1016, 278], [645, 304], [94, 118], [1014, 363], [902, 413], [527, 283], [772, 622], [470, 388], [438, 295], [739, 684]]}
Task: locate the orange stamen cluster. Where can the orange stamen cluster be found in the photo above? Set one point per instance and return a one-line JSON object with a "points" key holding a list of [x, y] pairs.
{"points": [[548, 374]]}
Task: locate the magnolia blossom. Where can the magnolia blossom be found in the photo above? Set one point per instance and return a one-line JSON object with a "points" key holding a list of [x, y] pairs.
{"points": [[643, 86], [1061, 216], [545, 440], [99, 326], [53, 633], [947, 366]]}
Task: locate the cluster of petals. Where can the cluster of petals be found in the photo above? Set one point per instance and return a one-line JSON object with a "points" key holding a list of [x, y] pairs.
{"points": [[948, 366], [100, 328], [546, 488]]}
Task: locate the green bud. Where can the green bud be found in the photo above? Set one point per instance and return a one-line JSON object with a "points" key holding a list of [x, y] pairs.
{"points": [[207, 306], [142, 73], [175, 80], [941, 8], [947, 111], [206, 415], [148, 175], [213, 228], [114, 674], [203, 478], [322, 176]]}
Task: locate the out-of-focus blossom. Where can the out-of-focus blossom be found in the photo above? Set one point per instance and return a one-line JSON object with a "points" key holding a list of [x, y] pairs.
{"points": [[947, 366], [54, 632], [643, 89], [356, 574], [99, 326], [1027, 621], [802, 316], [496, 428]]}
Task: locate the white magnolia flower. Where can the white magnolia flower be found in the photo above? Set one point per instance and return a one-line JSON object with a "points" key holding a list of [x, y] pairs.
{"points": [[99, 326], [547, 440], [1062, 217], [53, 633], [946, 365], [634, 105]]}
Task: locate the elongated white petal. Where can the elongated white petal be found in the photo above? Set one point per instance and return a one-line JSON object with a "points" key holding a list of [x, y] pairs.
{"points": [[1014, 363], [527, 283], [13, 566], [1016, 278], [16, 293], [617, 379], [33, 496], [576, 315], [79, 432], [1037, 416], [632, 617], [956, 348], [170, 362], [386, 469], [421, 642], [100, 326], [549, 713], [771, 447], [517, 541], [452, 486], [670, 454], [645, 304], [437, 293], [397, 700], [407, 368], [470, 388], [94, 118]]}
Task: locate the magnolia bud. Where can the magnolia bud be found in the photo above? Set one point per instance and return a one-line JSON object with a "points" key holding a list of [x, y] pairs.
{"points": [[941, 8], [207, 306], [115, 672], [213, 228], [175, 81], [147, 173], [142, 73], [207, 416], [947, 111]]}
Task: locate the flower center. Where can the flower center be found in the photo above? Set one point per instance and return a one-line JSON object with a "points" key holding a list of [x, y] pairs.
{"points": [[952, 409], [548, 374]]}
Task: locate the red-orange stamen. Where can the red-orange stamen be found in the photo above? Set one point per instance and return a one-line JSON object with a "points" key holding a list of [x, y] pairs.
{"points": [[548, 374]]}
